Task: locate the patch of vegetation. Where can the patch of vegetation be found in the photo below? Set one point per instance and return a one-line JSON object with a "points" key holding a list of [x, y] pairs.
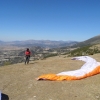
{"points": [[86, 50], [50, 55], [7, 63]]}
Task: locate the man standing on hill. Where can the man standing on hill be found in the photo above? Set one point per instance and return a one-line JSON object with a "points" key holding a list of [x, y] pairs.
{"points": [[27, 56]]}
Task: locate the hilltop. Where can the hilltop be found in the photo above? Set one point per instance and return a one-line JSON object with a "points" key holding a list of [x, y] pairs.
{"points": [[91, 41], [19, 83]]}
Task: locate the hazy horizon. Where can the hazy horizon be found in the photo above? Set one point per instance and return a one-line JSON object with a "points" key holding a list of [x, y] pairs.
{"points": [[35, 40]]}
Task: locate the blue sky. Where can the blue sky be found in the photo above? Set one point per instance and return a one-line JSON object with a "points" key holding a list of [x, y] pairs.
{"points": [[76, 20]]}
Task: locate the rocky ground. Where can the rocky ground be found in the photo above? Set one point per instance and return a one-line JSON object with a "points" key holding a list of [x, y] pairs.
{"points": [[19, 82]]}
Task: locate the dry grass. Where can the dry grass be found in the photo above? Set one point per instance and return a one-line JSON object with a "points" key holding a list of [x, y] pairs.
{"points": [[18, 81]]}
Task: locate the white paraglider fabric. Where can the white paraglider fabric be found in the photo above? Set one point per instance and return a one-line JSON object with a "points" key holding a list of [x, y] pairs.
{"points": [[86, 68]]}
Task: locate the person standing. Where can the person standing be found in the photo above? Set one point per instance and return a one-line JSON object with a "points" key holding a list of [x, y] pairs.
{"points": [[27, 56]]}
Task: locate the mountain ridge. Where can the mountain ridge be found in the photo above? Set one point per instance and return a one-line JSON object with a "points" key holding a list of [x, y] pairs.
{"points": [[52, 43], [42, 43], [91, 41]]}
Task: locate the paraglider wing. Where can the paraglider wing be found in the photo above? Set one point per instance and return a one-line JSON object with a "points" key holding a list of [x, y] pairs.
{"points": [[91, 67]]}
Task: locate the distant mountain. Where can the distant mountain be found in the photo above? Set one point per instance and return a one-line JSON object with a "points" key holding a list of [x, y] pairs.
{"points": [[51, 44], [91, 41], [41, 43], [1, 42]]}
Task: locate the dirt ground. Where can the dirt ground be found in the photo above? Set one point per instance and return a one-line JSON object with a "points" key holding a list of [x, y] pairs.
{"points": [[19, 82]]}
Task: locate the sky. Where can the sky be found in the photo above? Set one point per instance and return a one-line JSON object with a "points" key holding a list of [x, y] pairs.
{"points": [[74, 20]]}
